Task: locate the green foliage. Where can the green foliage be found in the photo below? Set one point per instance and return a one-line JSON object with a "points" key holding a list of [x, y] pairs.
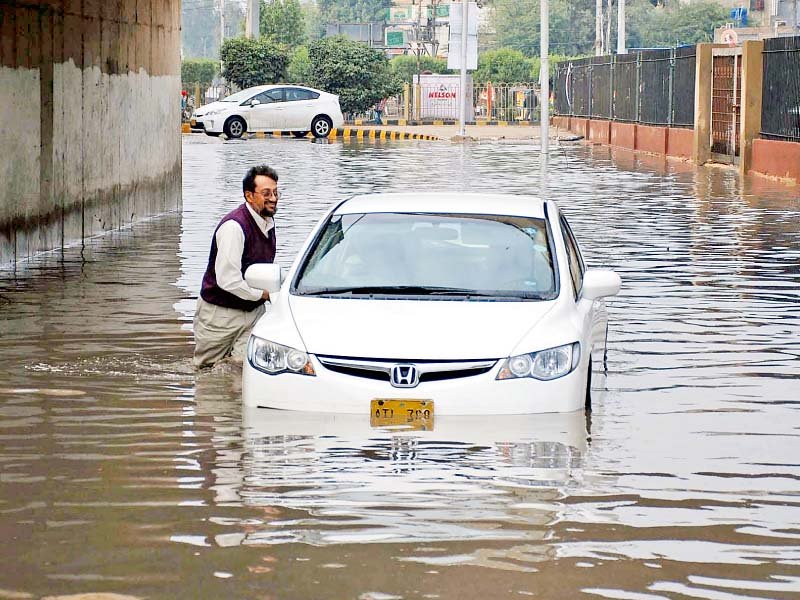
{"points": [[299, 66], [674, 24], [504, 65], [198, 70], [571, 25], [283, 22], [405, 67], [360, 75], [353, 11], [248, 62]]}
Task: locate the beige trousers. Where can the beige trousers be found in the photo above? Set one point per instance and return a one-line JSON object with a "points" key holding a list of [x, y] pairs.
{"points": [[221, 332]]}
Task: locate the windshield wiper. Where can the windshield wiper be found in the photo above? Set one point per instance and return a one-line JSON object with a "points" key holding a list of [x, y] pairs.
{"points": [[414, 290]]}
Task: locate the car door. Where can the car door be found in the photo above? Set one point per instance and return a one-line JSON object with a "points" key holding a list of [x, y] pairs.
{"points": [[268, 114], [301, 107], [590, 312]]}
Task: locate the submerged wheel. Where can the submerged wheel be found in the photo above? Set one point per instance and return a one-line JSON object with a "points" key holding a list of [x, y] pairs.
{"points": [[321, 126], [299, 134], [235, 127], [588, 400]]}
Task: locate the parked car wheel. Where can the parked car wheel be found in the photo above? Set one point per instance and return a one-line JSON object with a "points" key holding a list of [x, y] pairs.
{"points": [[299, 134], [321, 126], [235, 127]]}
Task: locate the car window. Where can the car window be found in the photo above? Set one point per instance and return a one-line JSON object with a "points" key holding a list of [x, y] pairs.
{"points": [[576, 264], [297, 94], [270, 96], [484, 255]]}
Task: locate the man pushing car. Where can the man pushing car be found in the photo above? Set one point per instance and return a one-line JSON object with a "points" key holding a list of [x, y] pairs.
{"points": [[228, 307]]}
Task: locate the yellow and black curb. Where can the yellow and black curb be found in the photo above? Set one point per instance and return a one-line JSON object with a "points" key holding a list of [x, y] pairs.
{"points": [[347, 133], [445, 122]]}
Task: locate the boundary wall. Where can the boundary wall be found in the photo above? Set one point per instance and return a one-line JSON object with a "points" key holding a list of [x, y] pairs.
{"points": [[770, 157], [89, 102]]}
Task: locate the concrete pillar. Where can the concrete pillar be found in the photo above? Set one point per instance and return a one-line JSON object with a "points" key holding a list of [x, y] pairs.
{"points": [[90, 113], [752, 84], [701, 153]]}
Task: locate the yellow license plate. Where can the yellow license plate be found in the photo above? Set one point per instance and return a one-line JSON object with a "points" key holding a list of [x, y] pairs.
{"points": [[401, 413]]}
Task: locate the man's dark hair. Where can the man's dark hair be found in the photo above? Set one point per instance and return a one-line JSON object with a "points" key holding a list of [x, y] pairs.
{"points": [[249, 181]]}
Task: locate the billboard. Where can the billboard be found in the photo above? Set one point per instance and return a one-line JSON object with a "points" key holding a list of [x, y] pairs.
{"points": [[440, 97]]}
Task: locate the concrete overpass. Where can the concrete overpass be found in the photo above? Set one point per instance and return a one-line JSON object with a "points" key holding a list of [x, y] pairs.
{"points": [[89, 119]]}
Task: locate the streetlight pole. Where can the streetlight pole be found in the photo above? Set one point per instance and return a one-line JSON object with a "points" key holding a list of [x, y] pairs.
{"points": [[463, 88], [621, 47], [253, 19], [544, 79], [598, 28]]}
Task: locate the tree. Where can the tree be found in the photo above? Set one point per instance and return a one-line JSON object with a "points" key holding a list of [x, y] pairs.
{"points": [[406, 66], [360, 75], [516, 23], [198, 70], [504, 65], [353, 11], [283, 22], [299, 70], [673, 24], [248, 62]]}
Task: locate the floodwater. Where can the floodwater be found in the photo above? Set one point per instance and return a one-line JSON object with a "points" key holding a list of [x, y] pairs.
{"points": [[124, 472]]}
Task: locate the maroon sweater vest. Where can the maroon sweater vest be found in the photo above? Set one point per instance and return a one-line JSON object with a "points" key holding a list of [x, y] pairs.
{"points": [[258, 248]]}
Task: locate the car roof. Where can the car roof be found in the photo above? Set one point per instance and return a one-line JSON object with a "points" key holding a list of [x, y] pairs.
{"points": [[272, 86], [445, 202]]}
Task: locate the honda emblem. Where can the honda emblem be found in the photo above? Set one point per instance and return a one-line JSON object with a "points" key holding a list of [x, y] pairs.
{"points": [[405, 376]]}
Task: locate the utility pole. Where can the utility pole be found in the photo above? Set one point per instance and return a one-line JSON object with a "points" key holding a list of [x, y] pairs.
{"points": [[253, 20], [463, 88], [609, 12], [544, 78], [621, 47], [221, 22], [598, 28]]}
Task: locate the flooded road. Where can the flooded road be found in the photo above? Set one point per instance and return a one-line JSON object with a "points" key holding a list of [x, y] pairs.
{"points": [[124, 472]]}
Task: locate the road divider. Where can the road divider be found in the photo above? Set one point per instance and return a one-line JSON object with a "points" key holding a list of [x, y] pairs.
{"points": [[343, 133]]}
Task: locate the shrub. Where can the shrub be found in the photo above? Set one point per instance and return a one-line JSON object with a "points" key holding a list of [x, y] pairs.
{"points": [[248, 62], [198, 70], [360, 75]]}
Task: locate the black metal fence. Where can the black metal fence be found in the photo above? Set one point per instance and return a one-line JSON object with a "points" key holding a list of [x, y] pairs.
{"points": [[780, 104], [652, 87]]}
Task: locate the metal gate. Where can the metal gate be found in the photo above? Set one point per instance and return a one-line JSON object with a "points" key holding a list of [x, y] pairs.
{"points": [[726, 95]]}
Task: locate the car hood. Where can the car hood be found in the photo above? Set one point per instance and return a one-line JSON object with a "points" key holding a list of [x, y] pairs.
{"points": [[213, 106], [413, 329]]}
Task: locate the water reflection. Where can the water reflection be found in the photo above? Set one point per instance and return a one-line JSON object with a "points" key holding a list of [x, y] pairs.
{"points": [[123, 470]]}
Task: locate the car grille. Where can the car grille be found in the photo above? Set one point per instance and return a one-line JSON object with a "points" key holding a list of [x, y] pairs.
{"points": [[380, 370]]}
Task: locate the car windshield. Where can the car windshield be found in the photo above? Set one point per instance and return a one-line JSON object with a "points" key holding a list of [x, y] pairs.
{"points": [[240, 96], [442, 255]]}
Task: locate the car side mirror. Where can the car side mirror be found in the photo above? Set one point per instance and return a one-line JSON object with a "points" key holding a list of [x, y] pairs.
{"points": [[264, 276], [599, 283], [255, 102]]}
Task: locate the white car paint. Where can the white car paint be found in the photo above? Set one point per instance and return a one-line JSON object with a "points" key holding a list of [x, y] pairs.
{"points": [[284, 107], [406, 330]]}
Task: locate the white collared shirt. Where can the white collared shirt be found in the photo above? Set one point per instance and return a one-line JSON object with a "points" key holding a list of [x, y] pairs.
{"points": [[230, 246]]}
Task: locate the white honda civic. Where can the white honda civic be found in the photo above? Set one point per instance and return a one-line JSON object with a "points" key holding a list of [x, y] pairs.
{"points": [[403, 307]]}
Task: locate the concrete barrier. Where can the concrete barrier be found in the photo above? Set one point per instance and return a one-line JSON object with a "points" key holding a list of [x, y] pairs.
{"points": [[777, 159], [623, 135], [680, 142], [651, 139]]}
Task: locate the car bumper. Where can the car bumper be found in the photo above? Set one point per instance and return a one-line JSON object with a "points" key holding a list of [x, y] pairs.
{"points": [[331, 392]]}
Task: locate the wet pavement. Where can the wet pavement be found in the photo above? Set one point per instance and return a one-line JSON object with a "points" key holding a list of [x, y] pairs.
{"points": [[125, 473]]}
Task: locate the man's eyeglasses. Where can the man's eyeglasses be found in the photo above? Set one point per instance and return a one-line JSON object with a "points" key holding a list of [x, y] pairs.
{"points": [[267, 193]]}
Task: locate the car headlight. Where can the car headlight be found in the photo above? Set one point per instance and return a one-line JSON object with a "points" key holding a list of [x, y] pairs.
{"points": [[210, 113], [275, 359], [545, 364]]}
